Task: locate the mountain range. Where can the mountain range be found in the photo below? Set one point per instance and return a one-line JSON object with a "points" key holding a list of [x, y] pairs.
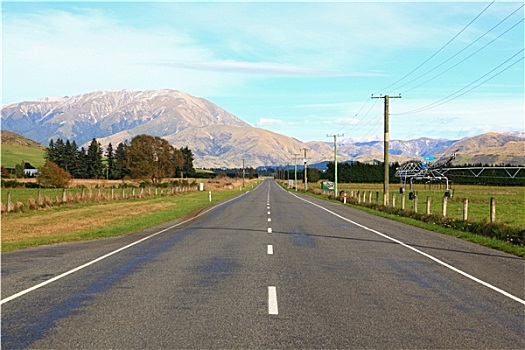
{"points": [[218, 138]]}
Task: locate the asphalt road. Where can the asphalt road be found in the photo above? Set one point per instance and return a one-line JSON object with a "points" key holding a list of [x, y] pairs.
{"points": [[268, 269]]}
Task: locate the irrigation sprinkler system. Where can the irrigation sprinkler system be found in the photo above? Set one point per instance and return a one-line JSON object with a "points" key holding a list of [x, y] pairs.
{"points": [[434, 172]]}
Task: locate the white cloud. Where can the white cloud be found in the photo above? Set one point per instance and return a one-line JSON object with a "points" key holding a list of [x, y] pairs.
{"points": [[272, 122], [346, 120], [65, 53], [265, 68]]}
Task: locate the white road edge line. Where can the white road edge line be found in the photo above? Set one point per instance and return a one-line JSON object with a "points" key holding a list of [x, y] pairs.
{"points": [[475, 279], [272, 301], [56, 278], [270, 249]]}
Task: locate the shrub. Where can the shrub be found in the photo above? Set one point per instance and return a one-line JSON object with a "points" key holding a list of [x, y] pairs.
{"points": [[11, 183], [51, 175]]}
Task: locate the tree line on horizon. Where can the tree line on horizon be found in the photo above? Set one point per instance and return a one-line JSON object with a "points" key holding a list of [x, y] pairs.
{"points": [[144, 157]]}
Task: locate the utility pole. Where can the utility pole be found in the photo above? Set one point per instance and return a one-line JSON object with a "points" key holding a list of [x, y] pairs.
{"points": [[305, 171], [335, 161], [386, 147], [295, 158]]}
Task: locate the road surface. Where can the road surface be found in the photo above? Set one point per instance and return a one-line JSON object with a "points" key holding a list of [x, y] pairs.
{"points": [[267, 269]]}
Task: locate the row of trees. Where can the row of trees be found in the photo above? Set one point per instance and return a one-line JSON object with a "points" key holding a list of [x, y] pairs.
{"points": [[346, 173], [360, 172], [366, 173], [144, 157]]}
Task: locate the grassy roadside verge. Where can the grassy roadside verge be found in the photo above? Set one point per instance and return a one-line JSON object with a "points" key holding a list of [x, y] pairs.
{"points": [[99, 220], [471, 237]]}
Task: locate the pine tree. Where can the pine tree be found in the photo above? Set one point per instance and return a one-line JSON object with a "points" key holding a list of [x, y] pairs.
{"points": [[94, 160], [187, 169], [110, 161], [51, 152], [81, 163], [59, 148], [121, 169]]}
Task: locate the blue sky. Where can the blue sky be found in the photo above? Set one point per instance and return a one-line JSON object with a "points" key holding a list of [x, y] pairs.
{"points": [[302, 69]]}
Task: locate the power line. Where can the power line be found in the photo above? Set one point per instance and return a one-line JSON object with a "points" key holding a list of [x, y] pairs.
{"points": [[462, 50], [359, 125], [348, 123], [457, 94], [438, 51], [466, 58]]}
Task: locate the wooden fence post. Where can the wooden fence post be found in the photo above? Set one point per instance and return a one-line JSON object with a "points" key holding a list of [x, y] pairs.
{"points": [[393, 200], [492, 210], [8, 202], [444, 206], [358, 197], [415, 204], [377, 197], [428, 205], [465, 209], [403, 201], [83, 192], [39, 198], [112, 193], [64, 197]]}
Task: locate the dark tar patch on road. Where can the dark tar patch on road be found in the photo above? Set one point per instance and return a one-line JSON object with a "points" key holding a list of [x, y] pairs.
{"points": [[301, 239], [215, 270]]}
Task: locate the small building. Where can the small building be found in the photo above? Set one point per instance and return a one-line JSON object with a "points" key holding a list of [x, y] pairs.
{"points": [[29, 170]]}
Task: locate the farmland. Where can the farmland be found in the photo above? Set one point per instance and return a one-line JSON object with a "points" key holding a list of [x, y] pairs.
{"points": [[84, 220], [510, 208]]}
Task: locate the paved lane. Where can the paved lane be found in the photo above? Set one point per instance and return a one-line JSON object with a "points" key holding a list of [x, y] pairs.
{"points": [[267, 270]]}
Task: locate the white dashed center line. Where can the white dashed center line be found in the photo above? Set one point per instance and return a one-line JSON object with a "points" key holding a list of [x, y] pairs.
{"points": [[272, 301], [270, 249]]}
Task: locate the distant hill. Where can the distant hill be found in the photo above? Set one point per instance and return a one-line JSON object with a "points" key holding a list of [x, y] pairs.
{"points": [[101, 114], [490, 148], [226, 146], [217, 137], [16, 149]]}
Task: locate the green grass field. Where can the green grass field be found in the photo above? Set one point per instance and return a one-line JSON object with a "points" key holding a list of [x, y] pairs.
{"points": [[23, 194], [510, 201], [86, 221], [14, 154]]}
